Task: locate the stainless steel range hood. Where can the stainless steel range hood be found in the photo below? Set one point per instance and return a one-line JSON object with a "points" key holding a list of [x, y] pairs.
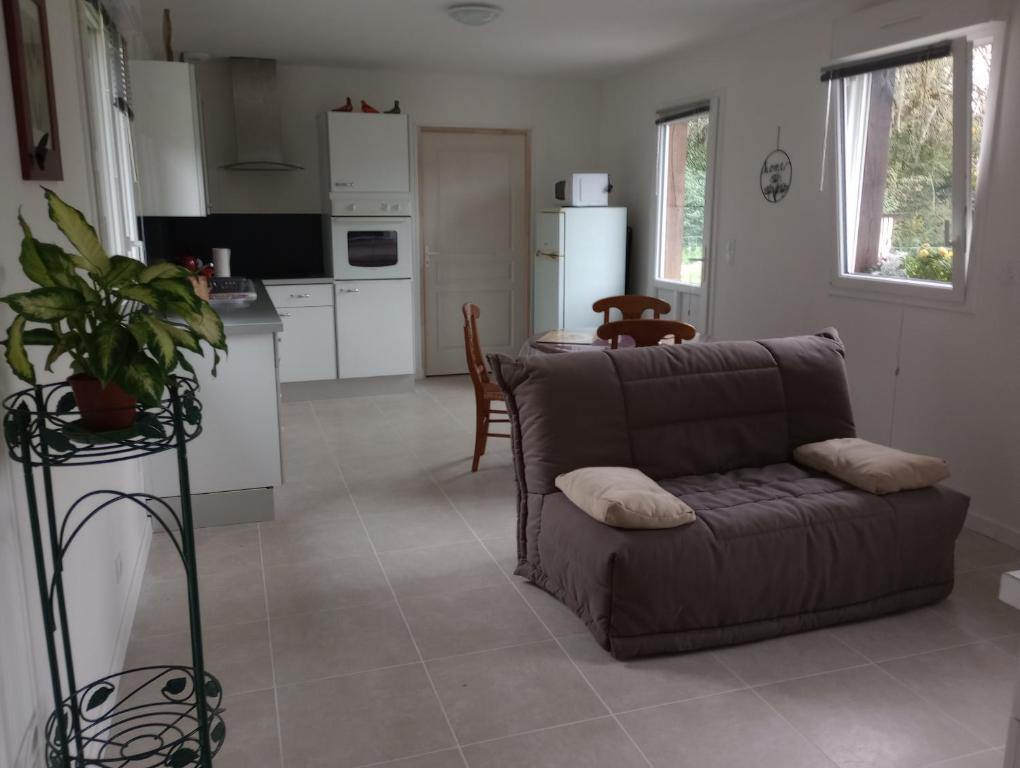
{"points": [[257, 117]]}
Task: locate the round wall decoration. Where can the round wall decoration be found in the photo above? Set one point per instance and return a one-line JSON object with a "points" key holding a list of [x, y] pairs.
{"points": [[776, 174]]}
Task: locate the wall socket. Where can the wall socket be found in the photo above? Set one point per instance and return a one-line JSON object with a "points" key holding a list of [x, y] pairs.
{"points": [[118, 567]]}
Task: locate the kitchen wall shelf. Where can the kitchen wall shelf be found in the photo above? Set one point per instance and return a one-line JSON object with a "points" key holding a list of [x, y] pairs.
{"points": [[139, 718]]}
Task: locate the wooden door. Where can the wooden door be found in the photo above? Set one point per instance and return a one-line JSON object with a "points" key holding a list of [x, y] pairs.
{"points": [[476, 241]]}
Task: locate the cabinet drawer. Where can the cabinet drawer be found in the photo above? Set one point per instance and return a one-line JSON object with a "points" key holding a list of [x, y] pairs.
{"points": [[307, 344], [301, 295]]}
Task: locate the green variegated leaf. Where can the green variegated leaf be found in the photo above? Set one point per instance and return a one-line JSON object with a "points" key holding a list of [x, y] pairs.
{"points": [[160, 342], [183, 362], [208, 325], [143, 294], [144, 379], [112, 346], [182, 336], [40, 337], [31, 260], [80, 233], [162, 269], [178, 291], [64, 344], [58, 263], [123, 271], [17, 356], [45, 305], [139, 331]]}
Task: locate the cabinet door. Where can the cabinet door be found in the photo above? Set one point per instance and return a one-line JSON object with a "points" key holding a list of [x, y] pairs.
{"points": [[368, 153], [307, 345], [167, 138], [374, 330]]}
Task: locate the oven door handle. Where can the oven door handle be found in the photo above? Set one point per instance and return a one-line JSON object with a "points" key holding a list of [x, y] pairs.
{"points": [[367, 222]]}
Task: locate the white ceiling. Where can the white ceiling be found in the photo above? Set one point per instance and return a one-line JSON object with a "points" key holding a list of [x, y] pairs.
{"points": [[589, 38]]}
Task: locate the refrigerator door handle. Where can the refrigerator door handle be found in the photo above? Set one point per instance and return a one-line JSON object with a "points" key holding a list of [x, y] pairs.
{"points": [[547, 254]]}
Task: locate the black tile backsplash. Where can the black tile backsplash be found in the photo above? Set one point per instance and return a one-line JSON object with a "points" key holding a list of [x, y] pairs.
{"points": [[275, 245]]}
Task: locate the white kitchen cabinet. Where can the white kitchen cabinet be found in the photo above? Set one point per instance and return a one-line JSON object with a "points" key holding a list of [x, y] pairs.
{"points": [[374, 329], [368, 153], [167, 137], [239, 447], [307, 344]]}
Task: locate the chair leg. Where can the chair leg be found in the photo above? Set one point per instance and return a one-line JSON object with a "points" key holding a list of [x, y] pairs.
{"points": [[481, 433]]}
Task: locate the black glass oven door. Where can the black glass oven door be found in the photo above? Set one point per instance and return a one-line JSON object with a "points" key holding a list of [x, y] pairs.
{"points": [[372, 248]]}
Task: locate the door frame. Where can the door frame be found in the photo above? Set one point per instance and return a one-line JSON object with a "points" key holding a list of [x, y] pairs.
{"points": [[528, 234]]}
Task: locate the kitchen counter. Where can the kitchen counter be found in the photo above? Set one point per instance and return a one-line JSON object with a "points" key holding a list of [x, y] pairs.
{"points": [[258, 317], [299, 281]]}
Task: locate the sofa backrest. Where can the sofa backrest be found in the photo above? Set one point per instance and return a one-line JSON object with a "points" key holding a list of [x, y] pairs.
{"points": [[674, 410]]}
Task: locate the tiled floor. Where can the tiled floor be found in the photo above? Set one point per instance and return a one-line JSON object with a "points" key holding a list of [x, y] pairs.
{"points": [[376, 622]]}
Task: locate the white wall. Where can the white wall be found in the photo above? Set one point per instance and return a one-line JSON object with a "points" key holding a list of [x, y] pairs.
{"points": [[100, 605], [562, 116], [947, 383]]}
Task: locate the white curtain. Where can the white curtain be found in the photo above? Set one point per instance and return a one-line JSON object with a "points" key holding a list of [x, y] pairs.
{"points": [[856, 106]]}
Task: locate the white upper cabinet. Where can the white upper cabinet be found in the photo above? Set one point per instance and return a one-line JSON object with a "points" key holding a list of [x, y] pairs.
{"points": [[368, 153], [167, 135]]}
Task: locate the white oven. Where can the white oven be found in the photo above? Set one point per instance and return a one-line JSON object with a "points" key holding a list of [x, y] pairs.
{"points": [[371, 248]]}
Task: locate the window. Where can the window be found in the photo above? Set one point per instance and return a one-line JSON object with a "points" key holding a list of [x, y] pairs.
{"points": [[109, 113], [684, 190], [910, 129]]}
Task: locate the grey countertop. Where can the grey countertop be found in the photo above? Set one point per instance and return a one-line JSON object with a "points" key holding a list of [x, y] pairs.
{"points": [[258, 317], [298, 280]]}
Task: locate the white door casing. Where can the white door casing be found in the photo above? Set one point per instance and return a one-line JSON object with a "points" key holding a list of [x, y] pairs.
{"points": [[476, 241]]}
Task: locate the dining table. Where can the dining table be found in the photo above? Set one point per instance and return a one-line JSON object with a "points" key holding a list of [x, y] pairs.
{"points": [[554, 342]]}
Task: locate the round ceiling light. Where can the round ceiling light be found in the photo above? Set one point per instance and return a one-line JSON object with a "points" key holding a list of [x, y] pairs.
{"points": [[474, 14]]}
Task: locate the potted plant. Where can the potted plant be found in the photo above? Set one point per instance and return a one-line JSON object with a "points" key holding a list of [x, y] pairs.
{"points": [[123, 324]]}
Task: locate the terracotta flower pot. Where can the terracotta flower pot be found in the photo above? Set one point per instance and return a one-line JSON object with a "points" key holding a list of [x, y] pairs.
{"points": [[103, 409]]}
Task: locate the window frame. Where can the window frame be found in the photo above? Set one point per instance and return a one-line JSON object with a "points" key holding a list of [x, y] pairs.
{"points": [[711, 153], [925, 292], [111, 155]]}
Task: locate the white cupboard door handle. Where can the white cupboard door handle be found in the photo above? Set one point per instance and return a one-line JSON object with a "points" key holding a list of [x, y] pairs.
{"points": [[547, 254], [349, 290], [285, 314], [301, 295]]}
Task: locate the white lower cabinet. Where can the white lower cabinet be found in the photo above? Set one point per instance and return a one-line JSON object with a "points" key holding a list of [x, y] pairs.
{"points": [[374, 328], [307, 344]]}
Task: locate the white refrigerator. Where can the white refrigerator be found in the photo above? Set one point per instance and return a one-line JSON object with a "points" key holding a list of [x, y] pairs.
{"points": [[581, 257]]}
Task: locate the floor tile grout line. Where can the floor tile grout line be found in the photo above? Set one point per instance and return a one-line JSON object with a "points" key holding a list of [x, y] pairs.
{"points": [[407, 625], [272, 654], [917, 694], [950, 760], [779, 714], [555, 639]]}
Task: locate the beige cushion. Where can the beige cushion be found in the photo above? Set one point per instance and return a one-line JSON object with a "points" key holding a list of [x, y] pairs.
{"points": [[872, 467], [624, 497]]}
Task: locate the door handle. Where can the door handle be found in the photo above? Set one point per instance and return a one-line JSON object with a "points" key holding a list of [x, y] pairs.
{"points": [[285, 314], [547, 254], [301, 295], [348, 290]]}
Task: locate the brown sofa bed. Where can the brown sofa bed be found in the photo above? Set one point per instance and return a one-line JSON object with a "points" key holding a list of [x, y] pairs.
{"points": [[776, 548]]}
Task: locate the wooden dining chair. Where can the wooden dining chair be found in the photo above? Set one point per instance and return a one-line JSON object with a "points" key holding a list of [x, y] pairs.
{"points": [[646, 333], [487, 391], [631, 307]]}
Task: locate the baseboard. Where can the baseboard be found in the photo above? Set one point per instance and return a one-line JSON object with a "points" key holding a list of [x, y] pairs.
{"points": [[993, 529], [127, 619]]}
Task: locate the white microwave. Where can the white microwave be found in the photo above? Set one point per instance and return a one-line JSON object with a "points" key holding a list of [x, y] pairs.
{"points": [[376, 248], [584, 190]]}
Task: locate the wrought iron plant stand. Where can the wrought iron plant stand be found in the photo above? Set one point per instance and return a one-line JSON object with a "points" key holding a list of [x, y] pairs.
{"points": [[169, 715]]}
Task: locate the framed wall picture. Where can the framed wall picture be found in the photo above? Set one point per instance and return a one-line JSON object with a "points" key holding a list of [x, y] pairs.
{"points": [[35, 109]]}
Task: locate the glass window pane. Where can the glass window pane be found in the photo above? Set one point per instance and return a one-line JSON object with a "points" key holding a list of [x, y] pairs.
{"points": [[981, 72], [685, 171], [898, 172]]}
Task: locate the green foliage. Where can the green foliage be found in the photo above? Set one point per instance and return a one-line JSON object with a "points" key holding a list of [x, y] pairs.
{"points": [[930, 264], [117, 319]]}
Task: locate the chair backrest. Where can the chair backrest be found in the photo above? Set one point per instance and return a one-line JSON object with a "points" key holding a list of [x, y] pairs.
{"points": [[646, 333], [631, 307], [473, 348]]}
